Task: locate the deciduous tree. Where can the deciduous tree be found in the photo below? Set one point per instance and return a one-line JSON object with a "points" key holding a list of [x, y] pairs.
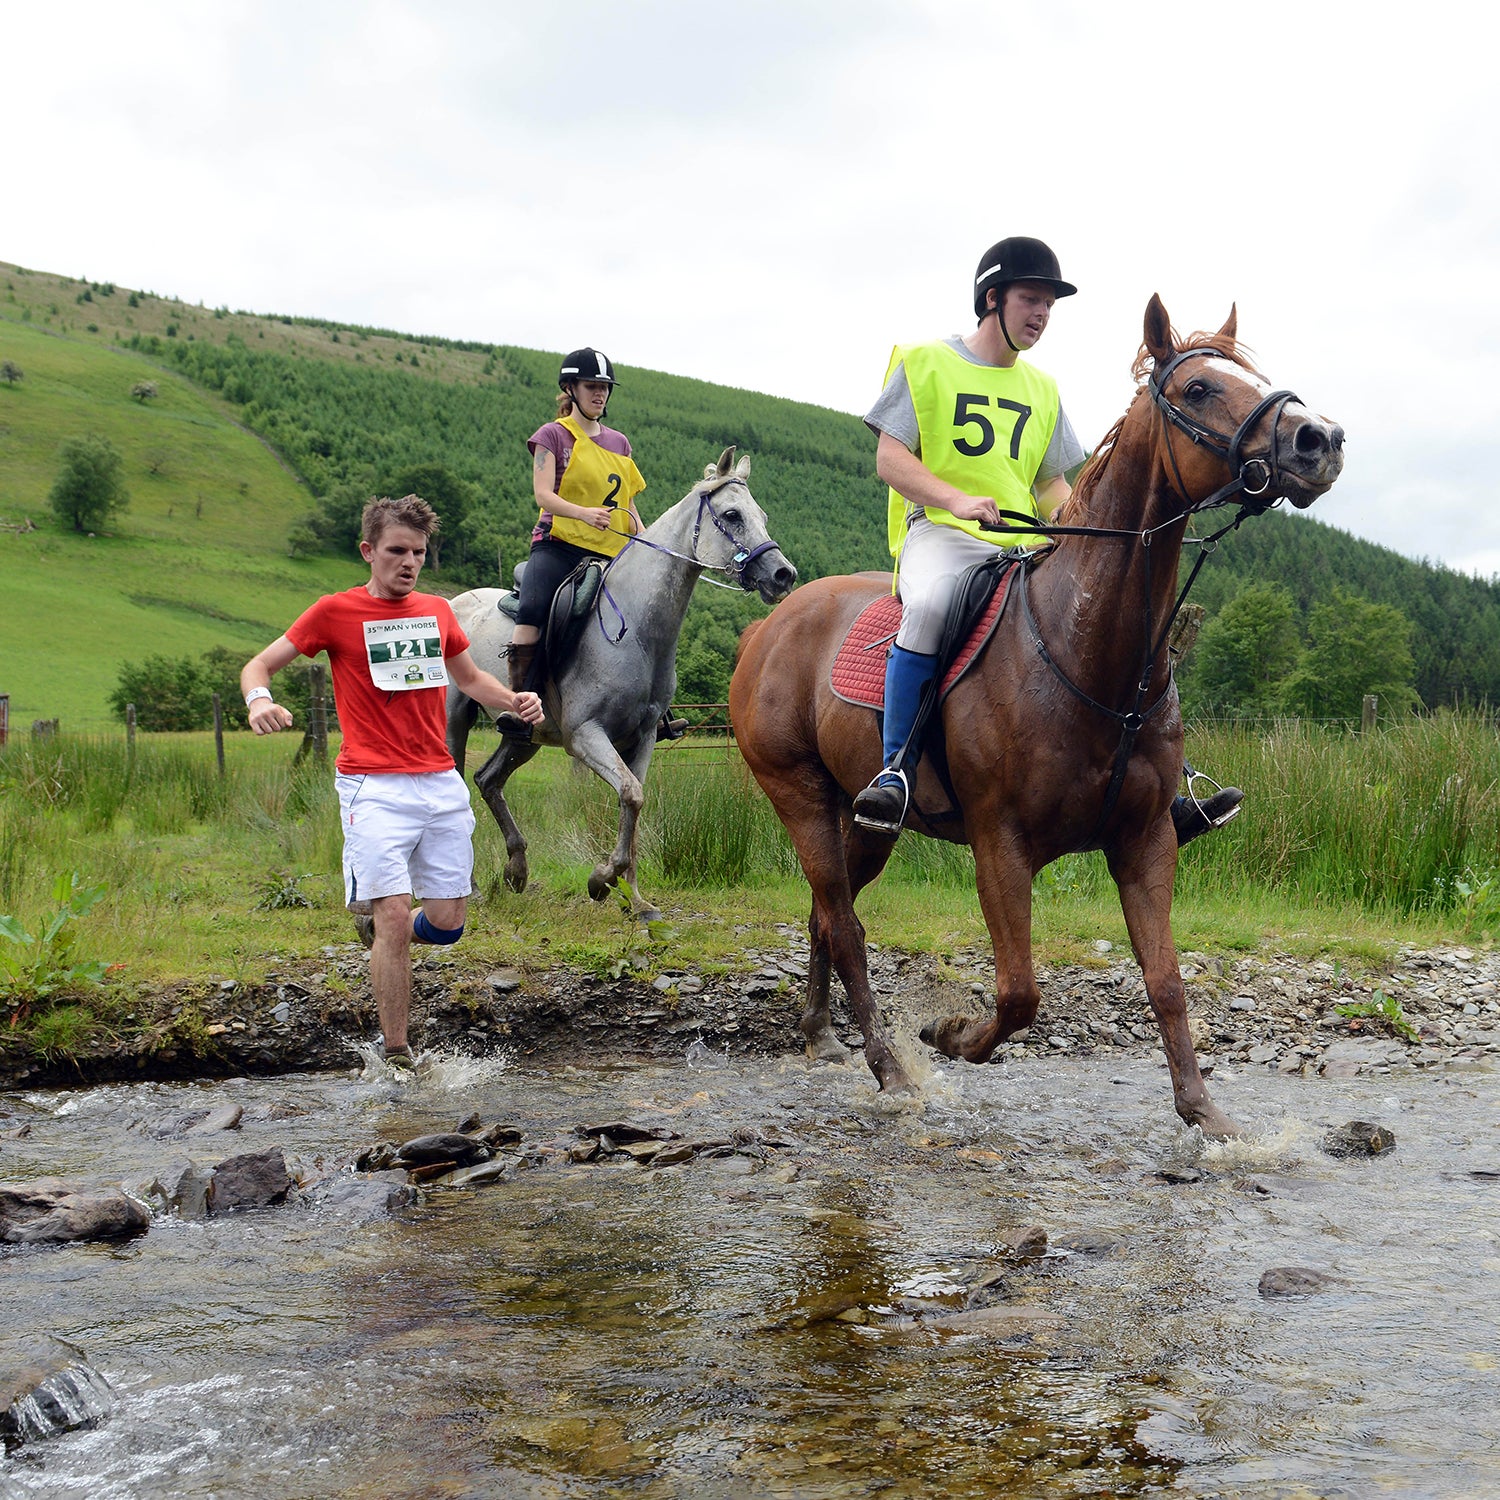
{"points": [[1353, 647], [90, 485]]}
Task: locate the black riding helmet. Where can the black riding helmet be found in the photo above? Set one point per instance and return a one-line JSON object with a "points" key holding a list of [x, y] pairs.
{"points": [[585, 364], [1017, 259]]}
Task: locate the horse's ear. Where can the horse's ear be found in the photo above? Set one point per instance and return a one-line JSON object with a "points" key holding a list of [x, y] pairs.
{"points": [[1158, 334], [742, 468], [1231, 327], [710, 471], [726, 461]]}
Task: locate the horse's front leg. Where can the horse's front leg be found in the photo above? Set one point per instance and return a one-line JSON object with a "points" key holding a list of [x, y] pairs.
{"points": [[1144, 871], [864, 858], [590, 744], [490, 779], [1003, 877], [462, 712]]}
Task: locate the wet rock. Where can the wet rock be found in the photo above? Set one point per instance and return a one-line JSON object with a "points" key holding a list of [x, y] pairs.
{"points": [[181, 1188], [497, 1169], [622, 1132], [1358, 1138], [48, 1387], [1029, 1243], [448, 1146], [51, 1211], [258, 1179], [364, 1199], [1292, 1281], [377, 1158], [226, 1117]]}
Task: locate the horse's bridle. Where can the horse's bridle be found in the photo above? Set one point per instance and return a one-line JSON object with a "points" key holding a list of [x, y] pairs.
{"points": [[736, 568], [1256, 478], [737, 565]]}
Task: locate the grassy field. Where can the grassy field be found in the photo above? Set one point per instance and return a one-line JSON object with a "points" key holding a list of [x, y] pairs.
{"points": [[199, 560]]}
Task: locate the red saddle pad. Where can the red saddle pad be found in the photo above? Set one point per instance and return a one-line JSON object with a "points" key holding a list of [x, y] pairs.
{"points": [[858, 674]]}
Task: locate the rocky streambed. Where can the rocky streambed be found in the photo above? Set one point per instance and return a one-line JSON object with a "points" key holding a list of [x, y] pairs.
{"points": [[1424, 1008]]}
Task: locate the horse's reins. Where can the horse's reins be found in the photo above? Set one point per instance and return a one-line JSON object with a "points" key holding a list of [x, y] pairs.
{"points": [[1256, 478], [735, 568]]}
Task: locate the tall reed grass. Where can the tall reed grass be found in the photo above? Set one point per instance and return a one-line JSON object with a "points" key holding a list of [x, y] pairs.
{"points": [[1404, 822]]}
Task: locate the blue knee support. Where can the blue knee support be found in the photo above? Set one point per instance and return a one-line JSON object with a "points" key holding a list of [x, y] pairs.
{"points": [[422, 931], [906, 674]]}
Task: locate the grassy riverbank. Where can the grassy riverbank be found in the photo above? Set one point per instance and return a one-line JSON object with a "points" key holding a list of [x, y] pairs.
{"points": [[1347, 847]]}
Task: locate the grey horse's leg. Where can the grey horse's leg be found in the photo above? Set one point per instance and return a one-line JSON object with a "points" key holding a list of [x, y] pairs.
{"points": [[490, 779], [865, 858], [591, 745], [462, 712]]}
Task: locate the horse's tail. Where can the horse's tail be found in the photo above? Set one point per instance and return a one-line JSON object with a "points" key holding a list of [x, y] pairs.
{"points": [[746, 636]]}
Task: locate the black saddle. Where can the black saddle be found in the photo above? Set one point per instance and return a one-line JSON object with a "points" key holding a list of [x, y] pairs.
{"points": [[570, 605]]}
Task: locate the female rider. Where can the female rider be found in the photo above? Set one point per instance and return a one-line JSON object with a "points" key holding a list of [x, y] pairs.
{"points": [[585, 483]]}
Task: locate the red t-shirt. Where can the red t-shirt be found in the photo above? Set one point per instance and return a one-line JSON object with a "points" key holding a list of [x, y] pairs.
{"points": [[398, 728]]}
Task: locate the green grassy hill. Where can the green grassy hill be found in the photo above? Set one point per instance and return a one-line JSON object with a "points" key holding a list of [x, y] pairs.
{"points": [[198, 560], [258, 417]]}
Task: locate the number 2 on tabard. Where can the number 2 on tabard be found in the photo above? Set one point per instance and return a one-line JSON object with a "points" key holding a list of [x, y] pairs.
{"points": [[610, 503], [964, 415]]}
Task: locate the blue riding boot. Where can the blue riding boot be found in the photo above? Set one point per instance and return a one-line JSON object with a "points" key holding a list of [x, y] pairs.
{"points": [[881, 807]]}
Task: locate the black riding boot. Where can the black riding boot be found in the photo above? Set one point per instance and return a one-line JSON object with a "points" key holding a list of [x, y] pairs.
{"points": [[1190, 817], [513, 726]]}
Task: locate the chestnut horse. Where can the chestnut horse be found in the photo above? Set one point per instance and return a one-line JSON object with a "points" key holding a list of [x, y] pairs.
{"points": [[1065, 733]]}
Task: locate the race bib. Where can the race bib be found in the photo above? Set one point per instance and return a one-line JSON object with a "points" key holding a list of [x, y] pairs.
{"points": [[405, 654]]}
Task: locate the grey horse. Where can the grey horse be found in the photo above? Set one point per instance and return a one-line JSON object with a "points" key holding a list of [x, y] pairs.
{"points": [[605, 702]]}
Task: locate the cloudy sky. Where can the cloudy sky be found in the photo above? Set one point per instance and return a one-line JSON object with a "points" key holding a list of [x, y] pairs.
{"points": [[768, 195]]}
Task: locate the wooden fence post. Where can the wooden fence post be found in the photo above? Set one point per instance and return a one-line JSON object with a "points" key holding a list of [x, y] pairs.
{"points": [[1367, 713], [315, 738], [4, 717], [219, 731]]}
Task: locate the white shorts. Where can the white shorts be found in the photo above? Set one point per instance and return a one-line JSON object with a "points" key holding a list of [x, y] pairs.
{"points": [[406, 835]]}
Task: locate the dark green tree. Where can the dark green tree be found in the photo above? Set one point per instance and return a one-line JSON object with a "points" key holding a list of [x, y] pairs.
{"points": [[1245, 652], [451, 497], [90, 485], [1354, 647], [11, 372]]}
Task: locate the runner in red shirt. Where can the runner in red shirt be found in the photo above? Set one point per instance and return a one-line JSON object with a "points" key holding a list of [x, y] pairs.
{"points": [[408, 825]]}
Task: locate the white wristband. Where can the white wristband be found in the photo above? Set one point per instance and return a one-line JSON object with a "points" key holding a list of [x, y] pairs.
{"points": [[255, 693]]}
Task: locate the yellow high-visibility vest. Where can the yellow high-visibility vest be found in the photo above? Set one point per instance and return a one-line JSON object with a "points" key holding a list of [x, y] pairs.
{"points": [[595, 478], [984, 429]]}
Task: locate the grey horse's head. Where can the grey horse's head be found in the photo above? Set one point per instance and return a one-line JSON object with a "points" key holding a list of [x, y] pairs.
{"points": [[730, 532]]}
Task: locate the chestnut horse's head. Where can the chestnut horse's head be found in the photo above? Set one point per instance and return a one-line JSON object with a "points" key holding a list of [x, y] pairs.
{"points": [[1227, 436]]}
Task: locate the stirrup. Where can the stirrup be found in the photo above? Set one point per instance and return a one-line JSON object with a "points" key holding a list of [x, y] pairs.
{"points": [[670, 728], [1193, 815], [881, 807], [512, 726]]}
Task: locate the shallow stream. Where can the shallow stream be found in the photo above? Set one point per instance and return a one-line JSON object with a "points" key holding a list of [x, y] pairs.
{"points": [[847, 1306]]}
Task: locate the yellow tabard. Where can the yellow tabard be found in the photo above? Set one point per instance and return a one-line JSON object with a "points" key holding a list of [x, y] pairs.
{"points": [[984, 428], [597, 478]]}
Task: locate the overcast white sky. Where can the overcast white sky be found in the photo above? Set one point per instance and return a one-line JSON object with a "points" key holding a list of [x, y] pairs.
{"points": [[769, 195]]}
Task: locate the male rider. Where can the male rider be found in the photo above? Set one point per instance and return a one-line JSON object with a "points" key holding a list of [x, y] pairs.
{"points": [[408, 826], [966, 428]]}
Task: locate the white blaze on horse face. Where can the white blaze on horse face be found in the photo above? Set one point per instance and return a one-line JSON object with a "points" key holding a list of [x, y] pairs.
{"points": [[1257, 383]]}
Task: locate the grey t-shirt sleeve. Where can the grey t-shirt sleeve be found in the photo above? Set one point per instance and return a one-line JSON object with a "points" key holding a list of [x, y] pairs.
{"points": [[1064, 452], [895, 413]]}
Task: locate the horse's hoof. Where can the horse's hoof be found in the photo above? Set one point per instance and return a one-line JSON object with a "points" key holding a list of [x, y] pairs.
{"points": [[1213, 1122], [955, 1037], [648, 914], [892, 1077], [516, 875], [599, 887], [827, 1048]]}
